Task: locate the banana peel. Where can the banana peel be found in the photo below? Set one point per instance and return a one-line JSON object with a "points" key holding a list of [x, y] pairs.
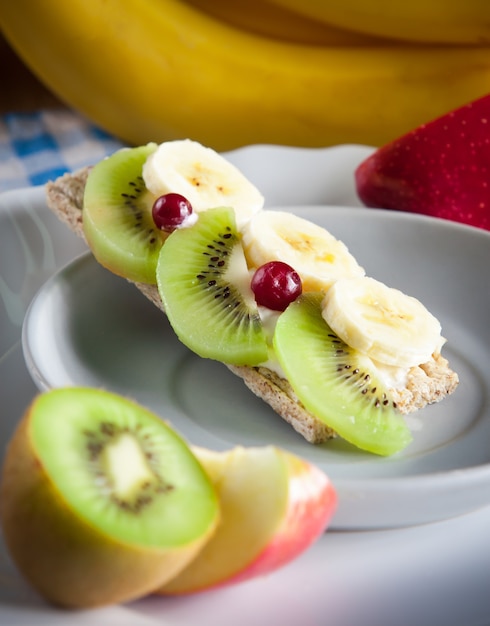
{"points": [[430, 21], [156, 70]]}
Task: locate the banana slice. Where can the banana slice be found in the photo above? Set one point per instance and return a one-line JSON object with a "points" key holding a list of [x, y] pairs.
{"points": [[203, 176], [318, 257], [381, 322]]}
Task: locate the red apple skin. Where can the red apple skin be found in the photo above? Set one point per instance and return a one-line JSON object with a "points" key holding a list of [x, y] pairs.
{"points": [[441, 168], [313, 502]]}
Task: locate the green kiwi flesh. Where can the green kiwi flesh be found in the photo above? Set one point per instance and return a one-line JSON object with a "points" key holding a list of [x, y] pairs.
{"points": [[336, 383], [72, 432], [117, 220], [102, 501], [204, 285]]}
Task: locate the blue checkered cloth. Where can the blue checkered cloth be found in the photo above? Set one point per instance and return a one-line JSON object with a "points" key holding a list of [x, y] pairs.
{"points": [[40, 146]]}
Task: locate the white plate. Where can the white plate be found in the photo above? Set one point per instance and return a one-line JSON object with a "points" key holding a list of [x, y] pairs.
{"points": [[431, 575], [88, 327]]}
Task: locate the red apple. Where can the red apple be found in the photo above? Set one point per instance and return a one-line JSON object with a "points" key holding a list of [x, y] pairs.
{"points": [[441, 168], [274, 505]]}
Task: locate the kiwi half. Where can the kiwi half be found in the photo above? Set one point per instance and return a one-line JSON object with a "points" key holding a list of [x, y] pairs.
{"points": [[102, 501], [204, 284], [117, 220], [336, 383]]}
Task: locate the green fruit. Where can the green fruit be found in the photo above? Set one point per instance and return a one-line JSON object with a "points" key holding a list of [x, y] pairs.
{"points": [[102, 501], [336, 383], [117, 219], [204, 285]]}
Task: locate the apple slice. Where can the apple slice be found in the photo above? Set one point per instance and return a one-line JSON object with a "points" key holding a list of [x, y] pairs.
{"points": [[274, 505], [440, 169]]}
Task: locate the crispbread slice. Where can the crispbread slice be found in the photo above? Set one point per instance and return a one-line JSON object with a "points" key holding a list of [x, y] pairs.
{"points": [[428, 383]]}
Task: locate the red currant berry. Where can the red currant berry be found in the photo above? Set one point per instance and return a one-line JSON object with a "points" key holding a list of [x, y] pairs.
{"points": [[275, 285], [170, 210]]}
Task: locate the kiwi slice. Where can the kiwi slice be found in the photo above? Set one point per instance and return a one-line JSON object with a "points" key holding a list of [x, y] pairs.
{"points": [[336, 383], [101, 500], [204, 284], [117, 219]]}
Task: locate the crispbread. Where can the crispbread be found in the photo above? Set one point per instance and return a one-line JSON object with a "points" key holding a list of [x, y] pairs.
{"points": [[428, 383]]}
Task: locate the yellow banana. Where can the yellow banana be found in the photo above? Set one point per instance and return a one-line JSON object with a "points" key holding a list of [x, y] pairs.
{"points": [[154, 70], [430, 21], [265, 18]]}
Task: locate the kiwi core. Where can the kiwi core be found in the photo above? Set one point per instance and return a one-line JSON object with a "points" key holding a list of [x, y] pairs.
{"points": [[126, 467]]}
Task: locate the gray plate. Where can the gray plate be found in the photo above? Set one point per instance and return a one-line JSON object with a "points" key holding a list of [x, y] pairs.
{"points": [[88, 327]]}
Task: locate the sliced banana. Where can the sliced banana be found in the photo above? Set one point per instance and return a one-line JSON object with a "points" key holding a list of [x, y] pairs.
{"points": [[318, 257], [381, 322], [203, 176]]}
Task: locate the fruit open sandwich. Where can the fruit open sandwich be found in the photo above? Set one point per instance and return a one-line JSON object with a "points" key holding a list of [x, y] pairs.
{"points": [[337, 353]]}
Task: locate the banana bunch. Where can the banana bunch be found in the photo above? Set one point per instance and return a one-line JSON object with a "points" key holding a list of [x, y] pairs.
{"points": [[230, 74]]}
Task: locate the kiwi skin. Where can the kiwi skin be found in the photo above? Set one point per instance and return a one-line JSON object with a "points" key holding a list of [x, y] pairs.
{"points": [[70, 563]]}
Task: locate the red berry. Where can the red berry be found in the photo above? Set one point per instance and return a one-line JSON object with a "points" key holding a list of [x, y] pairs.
{"points": [[170, 210], [275, 285]]}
